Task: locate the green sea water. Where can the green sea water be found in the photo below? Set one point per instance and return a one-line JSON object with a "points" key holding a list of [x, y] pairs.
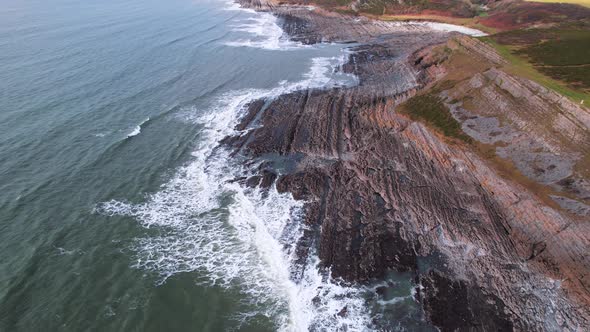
{"points": [[117, 209]]}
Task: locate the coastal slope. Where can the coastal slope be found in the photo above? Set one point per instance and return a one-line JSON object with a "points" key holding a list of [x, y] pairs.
{"points": [[488, 248]]}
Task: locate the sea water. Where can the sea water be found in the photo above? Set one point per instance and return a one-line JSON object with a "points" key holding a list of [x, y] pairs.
{"points": [[117, 209]]}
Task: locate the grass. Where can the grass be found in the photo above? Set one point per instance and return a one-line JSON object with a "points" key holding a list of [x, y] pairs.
{"points": [[585, 3], [520, 66], [566, 57], [373, 7], [568, 48], [430, 109], [577, 77]]}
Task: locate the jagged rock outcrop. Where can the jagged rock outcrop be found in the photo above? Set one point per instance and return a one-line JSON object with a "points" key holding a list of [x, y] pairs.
{"points": [[384, 192]]}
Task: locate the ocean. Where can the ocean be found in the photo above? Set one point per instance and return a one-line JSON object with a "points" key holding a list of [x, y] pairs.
{"points": [[117, 207]]}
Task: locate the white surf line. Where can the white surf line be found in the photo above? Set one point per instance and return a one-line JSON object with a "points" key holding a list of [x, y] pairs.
{"points": [[137, 130], [265, 30], [247, 243], [452, 28]]}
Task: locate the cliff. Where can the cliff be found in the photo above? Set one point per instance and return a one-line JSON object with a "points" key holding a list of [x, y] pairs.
{"points": [[488, 251]]}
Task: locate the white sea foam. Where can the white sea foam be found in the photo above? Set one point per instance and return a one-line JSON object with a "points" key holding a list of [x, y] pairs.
{"points": [[233, 5], [241, 238], [452, 28], [264, 33], [137, 130], [63, 251]]}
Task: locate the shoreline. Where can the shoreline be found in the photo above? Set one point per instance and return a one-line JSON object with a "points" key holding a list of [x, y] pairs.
{"points": [[384, 192]]}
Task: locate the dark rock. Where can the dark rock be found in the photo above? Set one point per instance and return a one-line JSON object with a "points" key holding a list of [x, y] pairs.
{"points": [[253, 181], [343, 312], [268, 178], [384, 193], [253, 109], [455, 305]]}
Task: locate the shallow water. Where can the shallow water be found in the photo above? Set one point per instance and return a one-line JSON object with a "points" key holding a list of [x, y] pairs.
{"points": [[116, 212]]}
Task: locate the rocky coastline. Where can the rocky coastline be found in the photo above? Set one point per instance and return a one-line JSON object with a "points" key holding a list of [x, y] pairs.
{"points": [[384, 192]]}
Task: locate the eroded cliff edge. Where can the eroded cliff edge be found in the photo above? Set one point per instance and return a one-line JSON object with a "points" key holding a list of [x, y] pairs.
{"points": [[388, 193]]}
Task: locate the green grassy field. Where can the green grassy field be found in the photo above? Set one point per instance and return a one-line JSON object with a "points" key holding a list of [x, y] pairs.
{"points": [[540, 62], [565, 57], [585, 3]]}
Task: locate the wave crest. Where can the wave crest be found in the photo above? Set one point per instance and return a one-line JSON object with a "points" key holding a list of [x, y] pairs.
{"points": [[240, 238]]}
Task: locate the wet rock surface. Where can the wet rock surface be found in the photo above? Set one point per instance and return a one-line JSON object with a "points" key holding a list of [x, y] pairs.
{"points": [[385, 193]]}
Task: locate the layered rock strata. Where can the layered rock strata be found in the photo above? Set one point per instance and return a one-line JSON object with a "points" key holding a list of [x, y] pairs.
{"points": [[386, 193]]}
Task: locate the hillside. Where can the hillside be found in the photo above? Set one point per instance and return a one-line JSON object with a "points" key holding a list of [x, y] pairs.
{"points": [[462, 161]]}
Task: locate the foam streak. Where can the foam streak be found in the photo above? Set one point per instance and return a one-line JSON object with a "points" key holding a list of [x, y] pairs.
{"points": [[236, 237]]}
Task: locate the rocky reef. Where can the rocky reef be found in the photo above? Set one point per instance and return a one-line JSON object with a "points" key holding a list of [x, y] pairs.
{"points": [[384, 192]]}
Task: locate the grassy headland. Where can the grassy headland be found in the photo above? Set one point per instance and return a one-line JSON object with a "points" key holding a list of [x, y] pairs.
{"points": [[585, 3]]}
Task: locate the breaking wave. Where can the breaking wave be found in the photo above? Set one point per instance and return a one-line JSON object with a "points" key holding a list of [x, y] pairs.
{"points": [[237, 237], [265, 32], [137, 130]]}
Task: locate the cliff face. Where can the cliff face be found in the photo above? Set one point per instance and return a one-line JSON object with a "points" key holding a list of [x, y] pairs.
{"points": [[384, 192], [543, 135]]}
